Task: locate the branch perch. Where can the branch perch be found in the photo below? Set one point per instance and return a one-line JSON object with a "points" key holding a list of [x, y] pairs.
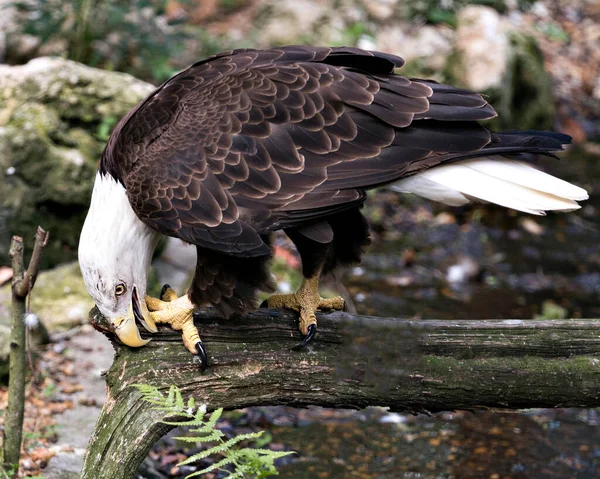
{"points": [[22, 283], [409, 366]]}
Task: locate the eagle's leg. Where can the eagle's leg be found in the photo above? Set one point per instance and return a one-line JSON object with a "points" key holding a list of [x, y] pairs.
{"points": [[313, 243], [306, 301], [178, 313], [338, 240]]}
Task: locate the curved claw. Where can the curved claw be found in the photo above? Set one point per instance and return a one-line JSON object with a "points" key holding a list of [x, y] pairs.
{"points": [[312, 331], [203, 356], [164, 289], [264, 304]]}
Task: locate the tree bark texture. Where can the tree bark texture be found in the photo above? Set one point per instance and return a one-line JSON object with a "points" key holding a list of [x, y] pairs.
{"points": [[354, 362]]}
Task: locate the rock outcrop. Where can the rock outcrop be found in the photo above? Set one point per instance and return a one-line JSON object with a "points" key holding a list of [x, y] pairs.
{"points": [[55, 116], [483, 46]]}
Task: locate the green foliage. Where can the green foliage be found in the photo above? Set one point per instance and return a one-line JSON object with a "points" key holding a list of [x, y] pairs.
{"points": [[105, 127], [444, 11], [32, 439], [353, 33], [126, 36], [231, 5], [214, 44], [244, 461], [551, 310], [7, 471], [525, 100], [50, 390], [553, 31], [284, 274]]}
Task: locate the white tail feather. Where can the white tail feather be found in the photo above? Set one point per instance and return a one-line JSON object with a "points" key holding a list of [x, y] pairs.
{"points": [[510, 183]]}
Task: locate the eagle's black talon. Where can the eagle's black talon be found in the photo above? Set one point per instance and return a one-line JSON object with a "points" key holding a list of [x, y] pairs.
{"points": [[203, 356], [312, 331], [264, 304], [164, 289]]}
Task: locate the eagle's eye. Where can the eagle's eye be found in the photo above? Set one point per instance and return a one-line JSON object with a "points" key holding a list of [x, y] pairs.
{"points": [[120, 289]]}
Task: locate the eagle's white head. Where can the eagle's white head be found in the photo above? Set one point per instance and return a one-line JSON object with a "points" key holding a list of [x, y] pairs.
{"points": [[115, 250]]}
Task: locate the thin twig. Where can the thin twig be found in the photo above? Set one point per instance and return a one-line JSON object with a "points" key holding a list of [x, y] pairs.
{"points": [[16, 256], [22, 283], [23, 287]]}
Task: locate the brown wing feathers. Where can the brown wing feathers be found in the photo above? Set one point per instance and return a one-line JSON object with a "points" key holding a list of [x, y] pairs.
{"points": [[240, 143], [249, 141]]}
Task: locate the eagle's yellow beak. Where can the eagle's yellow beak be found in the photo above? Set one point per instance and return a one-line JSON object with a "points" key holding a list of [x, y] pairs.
{"points": [[126, 328], [128, 332]]}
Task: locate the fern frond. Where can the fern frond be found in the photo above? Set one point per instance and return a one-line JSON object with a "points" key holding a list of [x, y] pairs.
{"points": [[241, 437], [245, 462], [268, 452], [217, 465], [195, 421], [224, 447], [199, 456], [214, 417], [179, 402], [211, 436], [171, 395], [149, 392]]}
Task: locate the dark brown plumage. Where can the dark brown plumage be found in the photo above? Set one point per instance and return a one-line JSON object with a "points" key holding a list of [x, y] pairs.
{"points": [[251, 141]]}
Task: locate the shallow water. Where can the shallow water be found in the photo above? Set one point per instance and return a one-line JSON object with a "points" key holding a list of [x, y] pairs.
{"points": [[462, 445]]}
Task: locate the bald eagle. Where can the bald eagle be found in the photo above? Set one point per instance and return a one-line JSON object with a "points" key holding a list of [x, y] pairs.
{"points": [[248, 142]]}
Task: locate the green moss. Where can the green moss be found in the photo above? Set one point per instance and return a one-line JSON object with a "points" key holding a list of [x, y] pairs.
{"points": [[450, 74], [35, 116], [454, 369], [60, 298], [553, 31], [417, 69], [438, 11], [525, 100], [352, 33], [50, 148], [231, 5], [453, 69], [551, 310]]}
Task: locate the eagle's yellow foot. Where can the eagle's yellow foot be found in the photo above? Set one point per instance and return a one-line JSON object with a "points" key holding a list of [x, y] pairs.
{"points": [[306, 301], [178, 313]]}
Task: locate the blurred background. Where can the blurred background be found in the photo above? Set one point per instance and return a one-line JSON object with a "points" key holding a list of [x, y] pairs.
{"points": [[69, 70]]}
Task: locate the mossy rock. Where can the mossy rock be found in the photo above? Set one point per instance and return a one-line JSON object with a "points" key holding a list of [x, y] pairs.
{"points": [[55, 116], [523, 99], [59, 299]]}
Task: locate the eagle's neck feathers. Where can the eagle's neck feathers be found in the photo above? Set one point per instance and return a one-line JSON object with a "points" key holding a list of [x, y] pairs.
{"points": [[114, 242]]}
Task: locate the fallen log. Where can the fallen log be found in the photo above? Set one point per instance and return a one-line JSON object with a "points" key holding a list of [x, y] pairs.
{"points": [[409, 366]]}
